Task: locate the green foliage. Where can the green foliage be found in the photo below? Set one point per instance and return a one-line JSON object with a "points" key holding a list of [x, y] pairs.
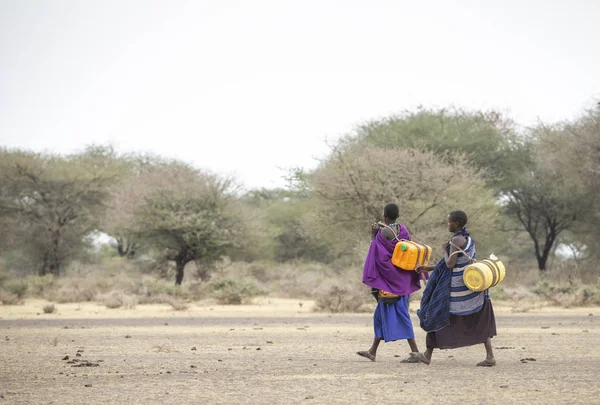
{"points": [[16, 287], [545, 181], [486, 139], [232, 292], [545, 200], [155, 287], [190, 216], [38, 285], [278, 232], [4, 277], [569, 152], [53, 201]]}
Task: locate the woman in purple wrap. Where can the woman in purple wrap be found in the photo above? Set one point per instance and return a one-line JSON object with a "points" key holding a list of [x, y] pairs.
{"points": [[390, 286]]}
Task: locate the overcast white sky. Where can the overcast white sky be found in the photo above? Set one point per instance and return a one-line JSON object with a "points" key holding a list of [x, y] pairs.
{"points": [[246, 87]]}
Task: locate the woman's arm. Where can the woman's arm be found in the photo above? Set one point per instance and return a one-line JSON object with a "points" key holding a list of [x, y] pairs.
{"points": [[374, 229], [457, 241]]}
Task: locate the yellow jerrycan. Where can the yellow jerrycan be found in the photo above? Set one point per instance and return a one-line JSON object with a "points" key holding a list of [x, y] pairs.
{"points": [[409, 253], [484, 274]]}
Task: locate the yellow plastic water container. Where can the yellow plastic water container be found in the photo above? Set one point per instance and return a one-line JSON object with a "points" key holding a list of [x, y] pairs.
{"points": [[409, 253], [484, 274]]}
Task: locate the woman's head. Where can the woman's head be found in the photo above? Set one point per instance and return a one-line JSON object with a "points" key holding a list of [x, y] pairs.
{"points": [[391, 212], [456, 220]]}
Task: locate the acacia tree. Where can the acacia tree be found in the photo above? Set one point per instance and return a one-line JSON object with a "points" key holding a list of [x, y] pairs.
{"points": [[566, 179], [518, 168], [486, 139], [353, 185], [581, 152], [56, 201], [126, 197], [283, 237], [548, 194], [189, 216]]}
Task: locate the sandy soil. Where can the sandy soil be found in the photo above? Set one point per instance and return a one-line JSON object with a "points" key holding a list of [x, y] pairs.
{"points": [[278, 352]]}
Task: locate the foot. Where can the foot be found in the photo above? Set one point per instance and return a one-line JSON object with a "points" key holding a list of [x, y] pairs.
{"points": [[411, 359], [366, 355], [420, 357], [487, 363]]}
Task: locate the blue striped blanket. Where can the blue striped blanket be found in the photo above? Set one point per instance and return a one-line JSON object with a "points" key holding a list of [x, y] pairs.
{"points": [[446, 292], [434, 314]]}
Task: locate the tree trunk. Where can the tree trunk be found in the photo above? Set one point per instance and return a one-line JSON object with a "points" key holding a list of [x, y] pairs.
{"points": [[52, 261], [542, 263], [55, 254], [179, 266], [44, 268], [543, 254], [120, 247], [126, 248]]}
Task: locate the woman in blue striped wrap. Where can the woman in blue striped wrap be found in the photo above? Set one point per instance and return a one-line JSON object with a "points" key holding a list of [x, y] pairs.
{"points": [[452, 315]]}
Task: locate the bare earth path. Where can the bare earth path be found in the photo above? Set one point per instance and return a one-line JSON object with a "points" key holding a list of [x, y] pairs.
{"points": [[280, 353]]}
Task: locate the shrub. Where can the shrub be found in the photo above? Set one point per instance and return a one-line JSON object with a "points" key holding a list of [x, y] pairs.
{"points": [[4, 277], [343, 299], [113, 301], [231, 292], [9, 298], [129, 301], [570, 294], [158, 287], [49, 308], [16, 287], [178, 305], [39, 285]]}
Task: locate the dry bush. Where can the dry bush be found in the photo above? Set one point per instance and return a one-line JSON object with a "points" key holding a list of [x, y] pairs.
{"points": [[38, 286], [117, 299], [113, 302], [129, 301], [520, 273], [233, 292], [178, 305], [301, 280], [154, 299], [49, 308], [9, 298], [295, 279], [569, 294], [72, 291], [344, 297], [565, 270]]}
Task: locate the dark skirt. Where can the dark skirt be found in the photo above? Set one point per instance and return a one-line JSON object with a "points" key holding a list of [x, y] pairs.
{"points": [[467, 330]]}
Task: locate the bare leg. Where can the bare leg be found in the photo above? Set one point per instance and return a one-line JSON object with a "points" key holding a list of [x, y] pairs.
{"points": [[413, 345], [372, 352], [489, 355]]}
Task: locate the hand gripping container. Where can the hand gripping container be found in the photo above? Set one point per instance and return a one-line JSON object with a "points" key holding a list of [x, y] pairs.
{"points": [[409, 253]]}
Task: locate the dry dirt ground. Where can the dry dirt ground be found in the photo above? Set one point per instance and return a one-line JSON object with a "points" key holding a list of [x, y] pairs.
{"points": [[278, 352]]}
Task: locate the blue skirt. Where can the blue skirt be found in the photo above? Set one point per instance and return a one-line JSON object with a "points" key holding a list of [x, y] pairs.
{"points": [[392, 321]]}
